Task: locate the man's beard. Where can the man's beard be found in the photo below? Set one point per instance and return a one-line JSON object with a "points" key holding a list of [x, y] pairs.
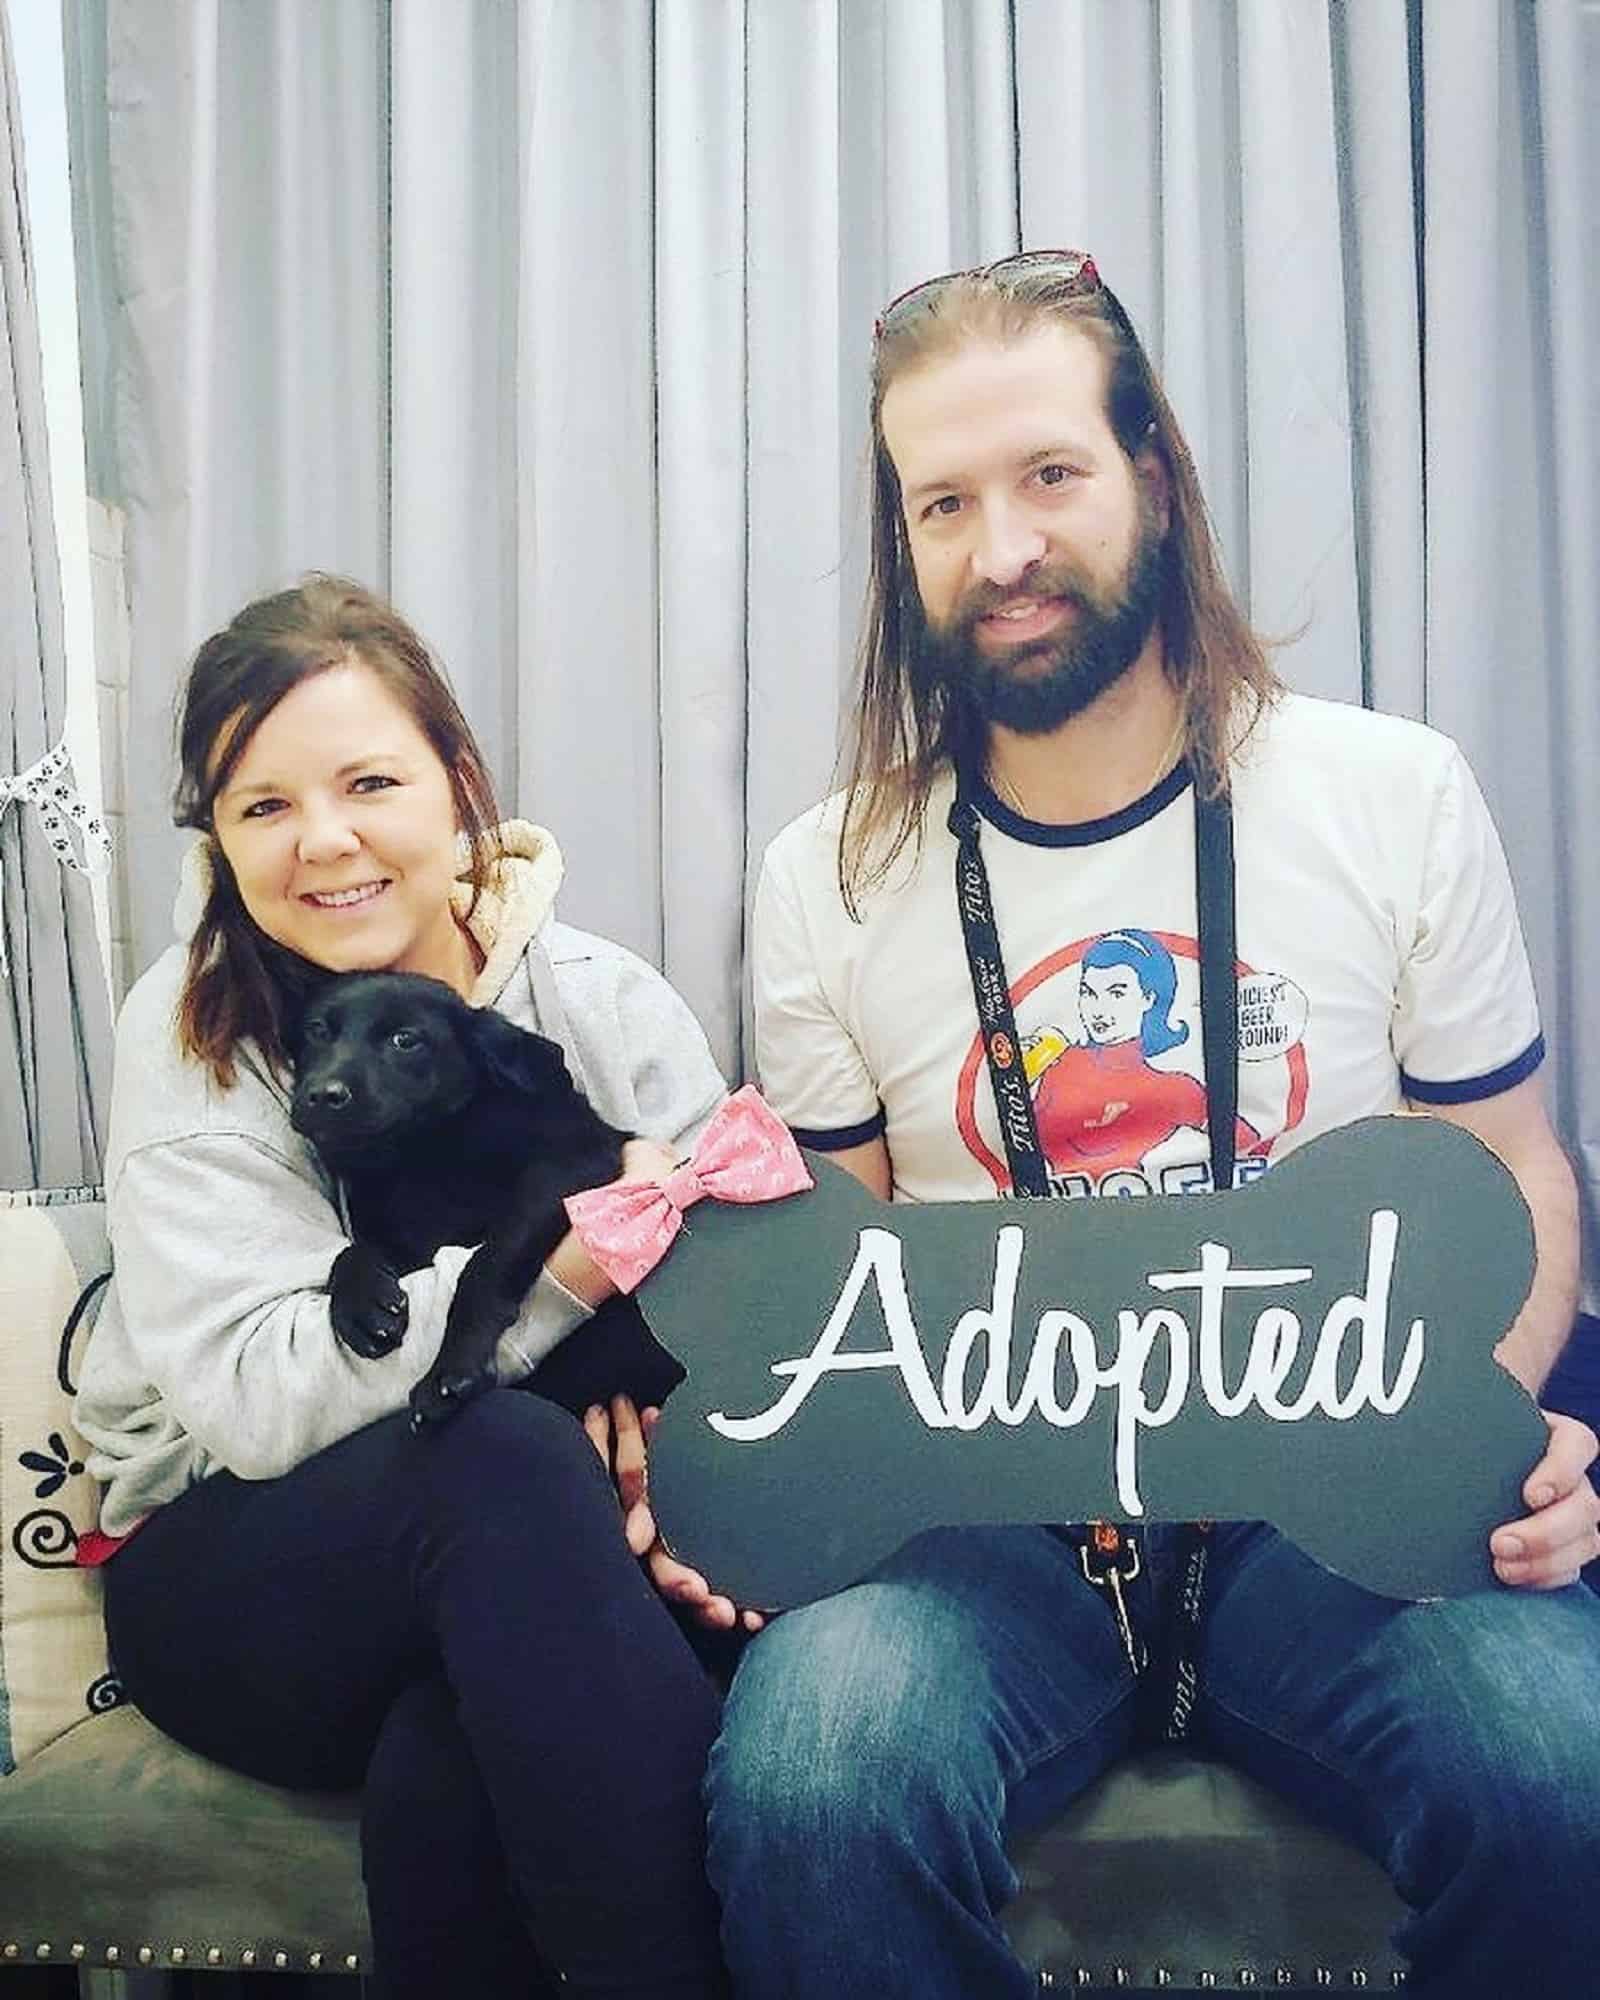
{"points": [[1035, 688]]}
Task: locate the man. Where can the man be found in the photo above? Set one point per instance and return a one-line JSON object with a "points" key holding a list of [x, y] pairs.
{"points": [[1057, 689]]}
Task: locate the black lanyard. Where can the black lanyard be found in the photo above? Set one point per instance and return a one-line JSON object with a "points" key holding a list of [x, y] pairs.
{"points": [[1019, 1129], [1110, 1556]]}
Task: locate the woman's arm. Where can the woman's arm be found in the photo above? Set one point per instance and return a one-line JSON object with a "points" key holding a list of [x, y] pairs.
{"points": [[657, 1079], [222, 1248]]}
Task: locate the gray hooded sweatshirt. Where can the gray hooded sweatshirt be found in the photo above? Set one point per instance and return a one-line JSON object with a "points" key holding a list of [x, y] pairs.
{"points": [[213, 1347]]}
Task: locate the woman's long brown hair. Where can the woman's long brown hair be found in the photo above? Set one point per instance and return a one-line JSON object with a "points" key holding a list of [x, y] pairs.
{"points": [[905, 729], [240, 986]]}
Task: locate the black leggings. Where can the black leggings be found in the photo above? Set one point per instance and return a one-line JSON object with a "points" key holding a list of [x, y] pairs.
{"points": [[456, 1623]]}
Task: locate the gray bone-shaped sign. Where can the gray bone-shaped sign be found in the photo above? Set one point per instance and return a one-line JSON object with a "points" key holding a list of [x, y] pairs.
{"points": [[1313, 1349]]}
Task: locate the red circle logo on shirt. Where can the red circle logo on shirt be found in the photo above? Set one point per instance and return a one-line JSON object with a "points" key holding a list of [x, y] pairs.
{"points": [[1101, 1103]]}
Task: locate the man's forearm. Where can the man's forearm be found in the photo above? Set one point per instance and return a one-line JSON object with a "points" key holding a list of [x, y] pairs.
{"points": [[1513, 1125], [1539, 1332]]}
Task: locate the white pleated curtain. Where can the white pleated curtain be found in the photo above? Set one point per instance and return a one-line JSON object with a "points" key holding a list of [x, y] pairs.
{"points": [[55, 1025], [552, 319]]}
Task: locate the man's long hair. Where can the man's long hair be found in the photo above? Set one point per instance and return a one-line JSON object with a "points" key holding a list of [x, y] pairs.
{"points": [[907, 727]]}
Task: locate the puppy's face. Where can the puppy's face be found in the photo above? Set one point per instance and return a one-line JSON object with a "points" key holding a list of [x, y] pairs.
{"points": [[379, 1058]]}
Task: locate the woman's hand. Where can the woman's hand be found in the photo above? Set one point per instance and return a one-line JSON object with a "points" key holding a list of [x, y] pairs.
{"points": [[569, 1263], [1562, 1532], [620, 1435]]}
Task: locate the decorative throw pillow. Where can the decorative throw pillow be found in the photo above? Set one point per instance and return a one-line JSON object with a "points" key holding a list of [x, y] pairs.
{"points": [[53, 1666]]}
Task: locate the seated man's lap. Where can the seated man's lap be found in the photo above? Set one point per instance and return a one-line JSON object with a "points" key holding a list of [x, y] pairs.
{"points": [[980, 1657], [1372, 1714], [1454, 1740], [975, 1661]]}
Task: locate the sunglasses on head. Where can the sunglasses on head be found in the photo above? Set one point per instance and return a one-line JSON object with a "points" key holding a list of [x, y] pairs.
{"points": [[1078, 278]]}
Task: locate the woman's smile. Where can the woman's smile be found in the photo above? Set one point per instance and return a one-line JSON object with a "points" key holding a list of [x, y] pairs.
{"points": [[344, 899]]}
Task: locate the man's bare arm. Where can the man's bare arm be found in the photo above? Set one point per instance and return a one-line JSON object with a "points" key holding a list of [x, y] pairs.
{"points": [[1513, 1125], [870, 1165], [1561, 1530]]}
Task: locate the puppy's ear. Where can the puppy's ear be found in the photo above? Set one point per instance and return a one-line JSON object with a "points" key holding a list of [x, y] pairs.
{"points": [[297, 999], [514, 1059]]}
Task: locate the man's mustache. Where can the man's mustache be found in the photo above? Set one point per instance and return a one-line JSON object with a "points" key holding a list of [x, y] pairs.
{"points": [[1060, 580]]}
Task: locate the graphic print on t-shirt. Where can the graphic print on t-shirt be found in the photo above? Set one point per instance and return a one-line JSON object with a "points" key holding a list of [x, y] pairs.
{"points": [[1111, 1046]]}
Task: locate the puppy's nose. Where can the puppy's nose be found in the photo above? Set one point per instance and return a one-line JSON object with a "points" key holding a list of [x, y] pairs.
{"points": [[333, 1095]]}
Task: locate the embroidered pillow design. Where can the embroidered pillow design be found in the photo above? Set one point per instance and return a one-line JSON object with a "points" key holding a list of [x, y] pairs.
{"points": [[53, 1668]]}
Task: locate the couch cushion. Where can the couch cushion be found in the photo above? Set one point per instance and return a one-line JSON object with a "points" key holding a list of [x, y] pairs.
{"points": [[52, 1644], [115, 1839], [1173, 1865]]}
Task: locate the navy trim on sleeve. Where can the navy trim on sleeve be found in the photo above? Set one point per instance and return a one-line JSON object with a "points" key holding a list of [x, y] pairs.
{"points": [[842, 1136], [1471, 1089]]}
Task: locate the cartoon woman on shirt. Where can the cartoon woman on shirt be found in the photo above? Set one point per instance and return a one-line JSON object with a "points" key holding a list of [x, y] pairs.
{"points": [[1101, 1105]]}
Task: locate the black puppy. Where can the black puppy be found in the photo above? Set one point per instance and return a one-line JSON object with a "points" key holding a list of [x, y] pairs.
{"points": [[449, 1124]]}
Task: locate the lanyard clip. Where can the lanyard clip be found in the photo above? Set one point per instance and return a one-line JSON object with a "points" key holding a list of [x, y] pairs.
{"points": [[1110, 1559]]}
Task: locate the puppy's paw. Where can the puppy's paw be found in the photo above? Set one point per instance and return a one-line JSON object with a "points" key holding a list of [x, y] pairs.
{"points": [[445, 1389], [366, 1302]]}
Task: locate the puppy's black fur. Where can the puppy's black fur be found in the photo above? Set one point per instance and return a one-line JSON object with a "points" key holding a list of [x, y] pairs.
{"points": [[449, 1124]]}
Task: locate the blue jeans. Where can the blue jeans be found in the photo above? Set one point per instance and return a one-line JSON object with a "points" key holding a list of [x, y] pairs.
{"points": [[877, 1748]]}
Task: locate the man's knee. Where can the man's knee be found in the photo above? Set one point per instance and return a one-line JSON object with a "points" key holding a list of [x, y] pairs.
{"points": [[1503, 1708], [842, 1728], [1528, 1786]]}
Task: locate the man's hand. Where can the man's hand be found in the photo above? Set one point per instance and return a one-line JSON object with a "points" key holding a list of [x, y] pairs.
{"points": [[620, 1435], [1562, 1532]]}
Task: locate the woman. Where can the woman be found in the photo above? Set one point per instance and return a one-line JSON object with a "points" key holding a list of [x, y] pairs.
{"points": [[1101, 1104], [307, 1592]]}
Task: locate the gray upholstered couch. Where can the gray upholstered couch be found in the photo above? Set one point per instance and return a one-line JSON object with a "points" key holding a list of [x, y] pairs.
{"points": [[116, 1847], [118, 1850]]}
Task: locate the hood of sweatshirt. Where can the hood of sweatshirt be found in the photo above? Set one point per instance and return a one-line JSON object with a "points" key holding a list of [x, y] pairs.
{"points": [[510, 913]]}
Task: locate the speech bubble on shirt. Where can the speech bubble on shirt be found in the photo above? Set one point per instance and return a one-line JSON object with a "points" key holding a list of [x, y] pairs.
{"points": [[1313, 1350]]}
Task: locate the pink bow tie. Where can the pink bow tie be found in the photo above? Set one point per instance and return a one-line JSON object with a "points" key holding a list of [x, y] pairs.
{"points": [[745, 1153]]}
